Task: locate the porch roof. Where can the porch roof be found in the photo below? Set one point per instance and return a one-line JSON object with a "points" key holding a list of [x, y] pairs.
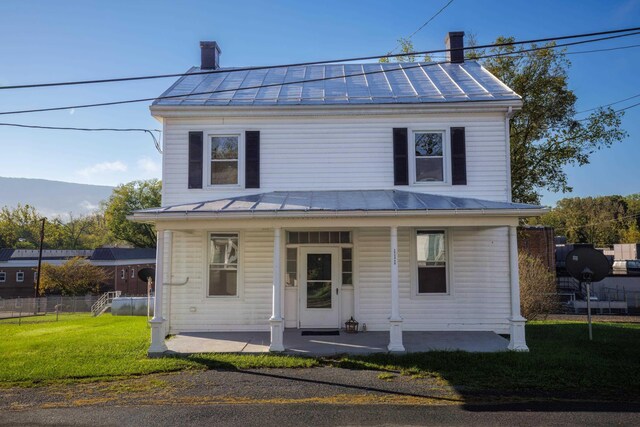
{"points": [[339, 203]]}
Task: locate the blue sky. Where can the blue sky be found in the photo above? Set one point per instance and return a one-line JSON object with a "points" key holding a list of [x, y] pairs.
{"points": [[45, 41]]}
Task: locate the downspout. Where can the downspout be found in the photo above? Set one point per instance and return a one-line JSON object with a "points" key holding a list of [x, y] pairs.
{"points": [[507, 133]]}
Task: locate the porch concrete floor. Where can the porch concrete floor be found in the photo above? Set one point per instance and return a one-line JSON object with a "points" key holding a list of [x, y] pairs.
{"points": [[326, 345]]}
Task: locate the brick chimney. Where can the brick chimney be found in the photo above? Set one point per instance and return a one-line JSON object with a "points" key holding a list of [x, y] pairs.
{"points": [[455, 42], [209, 56]]}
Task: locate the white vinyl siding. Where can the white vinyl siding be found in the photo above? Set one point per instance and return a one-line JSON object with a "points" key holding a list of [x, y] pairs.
{"points": [[479, 297], [191, 309], [479, 282], [336, 153]]}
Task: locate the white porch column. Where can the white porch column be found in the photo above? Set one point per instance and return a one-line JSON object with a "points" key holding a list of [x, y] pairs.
{"points": [[158, 345], [517, 340], [276, 321], [395, 321]]}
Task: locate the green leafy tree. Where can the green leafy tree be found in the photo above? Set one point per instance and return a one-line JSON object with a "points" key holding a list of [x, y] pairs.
{"points": [[20, 228], [85, 232], [545, 134], [127, 198], [76, 276], [631, 234], [603, 220]]}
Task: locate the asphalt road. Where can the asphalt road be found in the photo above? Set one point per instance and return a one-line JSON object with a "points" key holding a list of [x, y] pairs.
{"points": [[320, 415], [292, 397]]}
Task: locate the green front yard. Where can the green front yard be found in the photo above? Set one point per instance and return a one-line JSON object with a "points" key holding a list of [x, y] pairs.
{"points": [[562, 362]]}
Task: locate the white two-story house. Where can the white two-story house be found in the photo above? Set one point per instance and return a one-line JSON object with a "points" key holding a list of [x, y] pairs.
{"points": [[302, 196]]}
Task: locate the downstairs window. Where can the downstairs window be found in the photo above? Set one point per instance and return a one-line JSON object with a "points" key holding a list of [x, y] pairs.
{"points": [[431, 254], [223, 264]]}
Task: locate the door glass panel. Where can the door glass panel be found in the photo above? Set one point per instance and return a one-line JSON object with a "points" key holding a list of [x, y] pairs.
{"points": [[319, 281], [319, 267], [318, 294]]}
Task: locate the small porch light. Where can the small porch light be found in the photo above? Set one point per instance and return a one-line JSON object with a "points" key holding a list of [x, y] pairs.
{"points": [[351, 326]]}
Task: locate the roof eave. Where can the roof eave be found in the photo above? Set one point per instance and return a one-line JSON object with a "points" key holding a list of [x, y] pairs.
{"points": [[164, 215], [163, 111]]}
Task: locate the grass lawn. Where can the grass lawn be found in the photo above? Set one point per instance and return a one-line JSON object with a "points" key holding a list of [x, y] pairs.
{"points": [[562, 361], [81, 346]]}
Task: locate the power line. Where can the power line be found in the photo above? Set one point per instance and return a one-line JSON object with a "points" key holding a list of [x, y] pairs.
{"points": [[609, 104], [603, 50], [400, 68], [628, 108], [424, 25], [362, 58], [148, 131], [82, 129], [615, 111]]}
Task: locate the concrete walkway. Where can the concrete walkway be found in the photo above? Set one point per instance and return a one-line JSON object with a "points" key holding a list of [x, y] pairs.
{"points": [[326, 345]]}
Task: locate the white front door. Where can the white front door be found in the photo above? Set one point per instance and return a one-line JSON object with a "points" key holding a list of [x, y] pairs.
{"points": [[319, 278]]}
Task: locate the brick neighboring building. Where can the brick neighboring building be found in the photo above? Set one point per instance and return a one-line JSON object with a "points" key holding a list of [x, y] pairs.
{"points": [[18, 268], [124, 264], [538, 241]]}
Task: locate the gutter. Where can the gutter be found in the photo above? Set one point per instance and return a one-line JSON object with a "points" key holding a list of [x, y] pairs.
{"points": [[349, 109], [155, 216]]}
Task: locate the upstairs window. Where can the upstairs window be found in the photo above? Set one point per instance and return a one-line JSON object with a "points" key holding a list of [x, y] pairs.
{"points": [[432, 261], [133, 273], [223, 265], [429, 156], [20, 276], [3, 276], [224, 160], [122, 274]]}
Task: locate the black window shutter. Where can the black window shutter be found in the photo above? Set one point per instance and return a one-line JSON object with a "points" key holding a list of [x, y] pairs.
{"points": [[400, 157], [196, 152], [252, 159], [458, 157]]}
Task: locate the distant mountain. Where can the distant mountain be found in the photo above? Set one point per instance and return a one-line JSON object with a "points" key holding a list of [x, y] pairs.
{"points": [[52, 198]]}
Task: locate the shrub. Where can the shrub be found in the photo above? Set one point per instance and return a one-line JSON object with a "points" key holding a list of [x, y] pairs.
{"points": [[75, 277], [538, 295]]}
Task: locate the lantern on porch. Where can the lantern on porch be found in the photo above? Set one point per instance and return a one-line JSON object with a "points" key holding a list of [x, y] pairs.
{"points": [[351, 326]]}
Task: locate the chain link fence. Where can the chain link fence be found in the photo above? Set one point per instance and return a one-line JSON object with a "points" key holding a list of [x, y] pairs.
{"points": [[23, 307]]}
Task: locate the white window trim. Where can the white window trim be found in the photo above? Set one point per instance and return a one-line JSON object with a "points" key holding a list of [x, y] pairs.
{"points": [[446, 169], [122, 274], [413, 254], [18, 273], [133, 273], [207, 156], [240, 271], [3, 276]]}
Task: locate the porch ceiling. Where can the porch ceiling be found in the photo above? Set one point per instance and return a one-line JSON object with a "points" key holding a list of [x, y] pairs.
{"points": [[339, 203]]}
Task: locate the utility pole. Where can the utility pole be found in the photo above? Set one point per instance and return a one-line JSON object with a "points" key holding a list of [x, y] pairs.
{"points": [[37, 284]]}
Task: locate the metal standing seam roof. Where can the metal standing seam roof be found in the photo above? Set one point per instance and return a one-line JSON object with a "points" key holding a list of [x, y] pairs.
{"points": [[388, 83], [115, 254], [337, 201]]}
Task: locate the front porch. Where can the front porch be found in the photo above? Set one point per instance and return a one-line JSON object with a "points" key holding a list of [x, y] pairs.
{"points": [[328, 345], [395, 261]]}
